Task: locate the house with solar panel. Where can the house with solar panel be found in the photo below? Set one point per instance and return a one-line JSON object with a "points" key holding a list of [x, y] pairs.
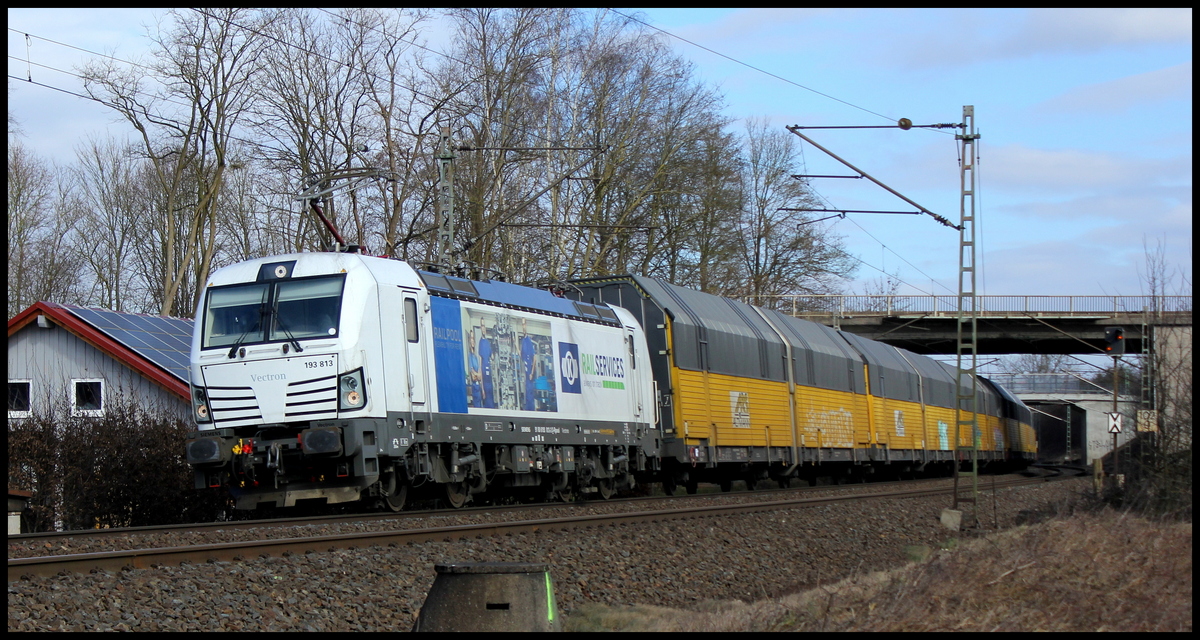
{"points": [[84, 358]]}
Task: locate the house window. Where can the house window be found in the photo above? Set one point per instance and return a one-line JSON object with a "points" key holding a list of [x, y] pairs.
{"points": [[87, 397], [18, 398]]}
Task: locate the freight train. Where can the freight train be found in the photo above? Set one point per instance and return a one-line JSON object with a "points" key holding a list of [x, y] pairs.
{"points": [[338, 377]]}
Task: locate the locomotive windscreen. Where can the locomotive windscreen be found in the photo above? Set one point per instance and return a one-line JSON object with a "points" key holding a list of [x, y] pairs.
{"points": [[270, 311]]}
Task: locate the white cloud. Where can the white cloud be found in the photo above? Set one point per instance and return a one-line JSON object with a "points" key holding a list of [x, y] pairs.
{"points": [[1149, 212], [746, 23], [1122, 94], [1087, 30], [1037, 269], [1069, 171], [954, 37]]}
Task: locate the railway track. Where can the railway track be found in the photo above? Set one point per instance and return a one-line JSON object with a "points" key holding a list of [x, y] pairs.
{"points": [[283, 546], [321, 520]]}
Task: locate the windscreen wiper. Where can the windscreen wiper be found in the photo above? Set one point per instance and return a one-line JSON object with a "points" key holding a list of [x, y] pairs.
{"points": [[279, 321], [261, 307]]}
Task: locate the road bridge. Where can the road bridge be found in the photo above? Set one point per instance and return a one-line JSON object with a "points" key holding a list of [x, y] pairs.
{"points": [[1006, 324]]}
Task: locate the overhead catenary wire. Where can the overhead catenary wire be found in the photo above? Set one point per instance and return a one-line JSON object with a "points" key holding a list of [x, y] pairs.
{"points": [[100, 101], [750, 66], [830, 205], [390, 81], [350, 66], [936, 128]]}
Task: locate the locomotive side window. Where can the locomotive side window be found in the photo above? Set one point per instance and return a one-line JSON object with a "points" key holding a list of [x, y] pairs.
{"points": [[410, 320]]}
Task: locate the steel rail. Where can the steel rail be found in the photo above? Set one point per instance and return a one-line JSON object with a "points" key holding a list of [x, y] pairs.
{"points": [[234, 551], [341, 518]]}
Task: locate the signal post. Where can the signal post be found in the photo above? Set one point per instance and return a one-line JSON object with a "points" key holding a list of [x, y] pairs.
{"points": [[1114, 345]]}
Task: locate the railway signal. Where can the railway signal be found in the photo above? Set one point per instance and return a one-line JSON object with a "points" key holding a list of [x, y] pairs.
{"points": [[1114, 341]]}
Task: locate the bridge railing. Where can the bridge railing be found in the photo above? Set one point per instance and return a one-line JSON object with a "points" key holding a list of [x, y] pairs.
{"points": [[1059, 383], [845, 306]]}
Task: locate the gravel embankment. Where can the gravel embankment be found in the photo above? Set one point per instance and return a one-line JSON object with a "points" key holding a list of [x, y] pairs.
{"points": [[61, 545], [680, 563]]}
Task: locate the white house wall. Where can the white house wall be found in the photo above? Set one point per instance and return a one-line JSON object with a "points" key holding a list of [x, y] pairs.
{"points": [[51, 358]]}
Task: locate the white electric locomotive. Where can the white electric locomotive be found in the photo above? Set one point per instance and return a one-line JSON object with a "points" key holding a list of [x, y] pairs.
{"points": [[337, 377]]}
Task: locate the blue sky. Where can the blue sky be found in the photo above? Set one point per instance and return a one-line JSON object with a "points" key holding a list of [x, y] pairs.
{"points": [[1085, 117]]}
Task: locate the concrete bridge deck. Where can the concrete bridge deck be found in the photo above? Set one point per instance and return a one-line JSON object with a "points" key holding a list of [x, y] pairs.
{"points": [[1006, 324]]}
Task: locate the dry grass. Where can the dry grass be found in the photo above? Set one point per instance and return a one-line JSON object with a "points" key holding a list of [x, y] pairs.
{"points": [[1097, 571]]}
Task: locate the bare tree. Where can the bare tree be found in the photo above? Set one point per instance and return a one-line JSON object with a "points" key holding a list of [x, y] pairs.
{"points": [[594, 149], [495, 83], [1160, 472], [41, 264], [112, 206], [29, 214], [1035, 363], [649, 113], [404, 106], [186, 111], [782, 252], [696, 210], [591, 135]]}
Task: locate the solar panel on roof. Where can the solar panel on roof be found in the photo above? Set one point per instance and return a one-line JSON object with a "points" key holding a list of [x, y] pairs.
{"points": [[164, 341]]}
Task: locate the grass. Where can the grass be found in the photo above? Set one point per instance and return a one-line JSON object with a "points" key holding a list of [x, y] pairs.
{"points": [[1100, 570]]}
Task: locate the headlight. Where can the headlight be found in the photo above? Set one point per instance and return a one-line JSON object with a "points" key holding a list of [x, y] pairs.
{"points": [[200, 409], [352, 393]]}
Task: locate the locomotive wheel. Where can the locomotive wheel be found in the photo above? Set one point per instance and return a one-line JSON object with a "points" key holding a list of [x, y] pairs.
{"points": [[565, 495], [456, 494], [605, 487], [397, 493]]}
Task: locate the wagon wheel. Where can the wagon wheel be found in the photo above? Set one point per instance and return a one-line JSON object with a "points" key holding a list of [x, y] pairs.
{"points": [[726, 485], [396, 493], [456, 494], [669, 486], [691, 486], [605, 487]]}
